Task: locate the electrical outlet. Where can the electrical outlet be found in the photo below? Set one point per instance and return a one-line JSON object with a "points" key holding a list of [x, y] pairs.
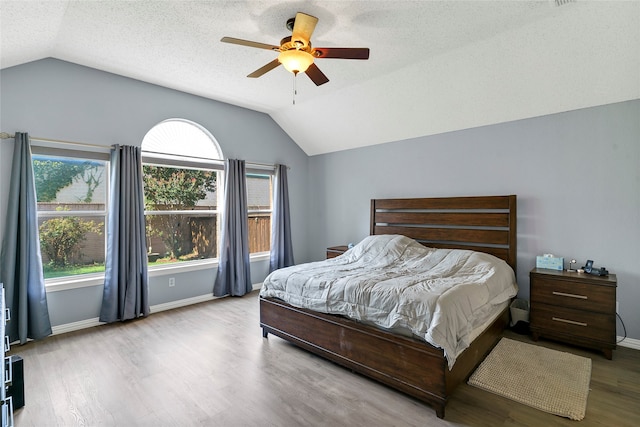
{"points": [[172, 282]]}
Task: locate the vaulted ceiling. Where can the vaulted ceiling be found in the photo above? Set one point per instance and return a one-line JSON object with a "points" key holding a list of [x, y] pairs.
{"points": [[434, 67]]}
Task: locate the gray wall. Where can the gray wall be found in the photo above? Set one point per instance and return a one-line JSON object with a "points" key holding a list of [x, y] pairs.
{"points": [[59, 100], [576, 175]]}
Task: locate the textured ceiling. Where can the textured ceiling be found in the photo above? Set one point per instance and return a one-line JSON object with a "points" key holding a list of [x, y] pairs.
{"points": [[435, 66]]}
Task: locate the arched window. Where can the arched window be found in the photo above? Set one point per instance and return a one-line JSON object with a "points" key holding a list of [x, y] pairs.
{"points": [[182, 164], [181, 139]]}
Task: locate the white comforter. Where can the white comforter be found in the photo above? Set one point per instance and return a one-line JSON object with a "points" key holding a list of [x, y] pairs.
{"points": [[396, 283]]}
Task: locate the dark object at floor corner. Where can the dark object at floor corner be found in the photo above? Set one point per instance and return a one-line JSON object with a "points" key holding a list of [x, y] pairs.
{"points": [[521, 327], [16, 389]]}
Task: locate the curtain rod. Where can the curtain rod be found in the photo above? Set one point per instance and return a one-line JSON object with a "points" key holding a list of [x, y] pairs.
{"points": [[5, 135], [221, 161]]}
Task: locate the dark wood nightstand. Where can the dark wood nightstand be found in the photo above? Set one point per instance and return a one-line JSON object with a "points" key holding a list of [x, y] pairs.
{"points": [[334, 251], [576, 308]]}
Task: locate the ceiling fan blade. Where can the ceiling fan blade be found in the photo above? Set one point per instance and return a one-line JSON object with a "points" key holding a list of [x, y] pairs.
{"points": [[342, 52], [303, 28], [249, 43], [265, 69], [316, 75]]}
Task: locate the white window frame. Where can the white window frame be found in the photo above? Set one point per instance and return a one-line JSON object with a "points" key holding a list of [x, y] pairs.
{"points": [[182, 161], [157, 159], [88, 152], [95, 152], [271, 174], [161, 160]]}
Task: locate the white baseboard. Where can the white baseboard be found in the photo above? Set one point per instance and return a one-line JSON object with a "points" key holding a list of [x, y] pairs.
{"points": [[629, 342], [89, 323], [181, 303], [76, 326]]}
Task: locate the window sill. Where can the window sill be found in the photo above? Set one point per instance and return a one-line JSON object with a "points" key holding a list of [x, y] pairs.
{"points": [[97, 279], [74, 282], [183, 267]]}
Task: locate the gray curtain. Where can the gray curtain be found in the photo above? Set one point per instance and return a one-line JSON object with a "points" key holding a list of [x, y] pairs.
{"points": [[234, 273], [20, 259], [126, 285], [281, 254]]}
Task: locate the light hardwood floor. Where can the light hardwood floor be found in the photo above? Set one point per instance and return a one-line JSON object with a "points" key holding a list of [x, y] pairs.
{"points": [[208, 364]]}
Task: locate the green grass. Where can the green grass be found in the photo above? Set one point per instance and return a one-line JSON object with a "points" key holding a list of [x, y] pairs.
{"points": [[51, 272], [72, 270], [167, 260]]}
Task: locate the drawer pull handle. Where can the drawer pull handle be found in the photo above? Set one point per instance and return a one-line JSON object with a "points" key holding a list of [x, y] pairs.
{"points": [[8, 371], [562, 294], [573, 322], [9, 409]]}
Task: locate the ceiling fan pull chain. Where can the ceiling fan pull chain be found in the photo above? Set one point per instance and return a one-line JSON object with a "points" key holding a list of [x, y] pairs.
{"points": [[295, 88]]}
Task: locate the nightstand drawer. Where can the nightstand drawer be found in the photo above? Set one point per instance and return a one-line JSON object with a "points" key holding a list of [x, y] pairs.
{"points": [[575, 295], [561, 321]]}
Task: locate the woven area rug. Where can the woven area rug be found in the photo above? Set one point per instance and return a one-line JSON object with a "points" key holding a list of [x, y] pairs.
{"points": [[545, 379]]}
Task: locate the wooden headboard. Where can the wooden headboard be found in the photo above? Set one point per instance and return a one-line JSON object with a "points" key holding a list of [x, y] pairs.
{"points": [[484, 224]]}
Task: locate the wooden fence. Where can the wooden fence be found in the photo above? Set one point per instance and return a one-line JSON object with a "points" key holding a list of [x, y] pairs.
{"points": [[92, 249], [259, 226], [259, 233]]}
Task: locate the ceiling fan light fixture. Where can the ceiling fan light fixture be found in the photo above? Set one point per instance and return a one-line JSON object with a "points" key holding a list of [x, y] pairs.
{"points": [[296, 53], [295, 61]]}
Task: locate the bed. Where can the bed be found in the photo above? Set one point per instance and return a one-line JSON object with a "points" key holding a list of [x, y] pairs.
{"points": [[404, 362]]}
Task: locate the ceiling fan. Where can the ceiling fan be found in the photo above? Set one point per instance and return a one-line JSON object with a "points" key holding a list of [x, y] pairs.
{"points": [[296, 53]]}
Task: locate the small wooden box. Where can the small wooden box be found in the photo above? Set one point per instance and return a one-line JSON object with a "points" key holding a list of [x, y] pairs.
{"points": [[334, 251]]}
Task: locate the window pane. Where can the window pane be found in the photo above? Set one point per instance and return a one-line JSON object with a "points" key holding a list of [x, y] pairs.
{"points": [[168, 188], [181, 138], [72, 245], [70, 184], [178, 236], [181, 237], [259, 199]]}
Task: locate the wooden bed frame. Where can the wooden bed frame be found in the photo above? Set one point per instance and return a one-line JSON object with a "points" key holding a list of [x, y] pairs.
{"points": [[486, 224]]}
